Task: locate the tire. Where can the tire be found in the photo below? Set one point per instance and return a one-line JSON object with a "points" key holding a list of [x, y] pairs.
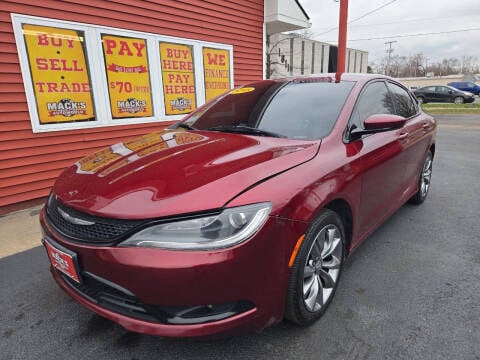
{"points": [[458, 100], [421, 100], [424, 180], [316, 270]]}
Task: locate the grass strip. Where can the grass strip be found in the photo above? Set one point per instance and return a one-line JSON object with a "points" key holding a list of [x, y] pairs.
{"points": [[473, 108]]}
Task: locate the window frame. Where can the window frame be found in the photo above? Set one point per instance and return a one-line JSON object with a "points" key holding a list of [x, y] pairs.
{"points": [[98, 75], [410, 95], [346, 138], [359, 98]]}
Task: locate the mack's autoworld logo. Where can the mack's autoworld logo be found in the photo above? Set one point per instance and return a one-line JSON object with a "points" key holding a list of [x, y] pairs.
{"points": [[131, 105], [63, 264], [67, 108], [181, 104]]}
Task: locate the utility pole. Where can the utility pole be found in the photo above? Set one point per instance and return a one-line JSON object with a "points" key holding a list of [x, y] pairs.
{"points": [[342, 39], [389, 52]]}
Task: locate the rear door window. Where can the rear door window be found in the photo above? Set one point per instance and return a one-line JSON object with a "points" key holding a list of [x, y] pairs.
{"points": [[404, 104]]}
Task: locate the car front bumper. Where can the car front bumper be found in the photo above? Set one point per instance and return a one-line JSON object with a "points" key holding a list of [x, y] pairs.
{"points": [[223, 291]]}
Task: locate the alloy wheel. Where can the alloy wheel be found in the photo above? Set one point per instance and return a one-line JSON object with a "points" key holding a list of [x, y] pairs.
{"points": [[426, 175], [322, 267]]}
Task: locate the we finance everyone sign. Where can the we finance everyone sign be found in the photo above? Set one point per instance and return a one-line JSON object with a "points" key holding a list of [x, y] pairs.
{"points": [[59, 72], [216, 64], [178, 78], [126, 63]]}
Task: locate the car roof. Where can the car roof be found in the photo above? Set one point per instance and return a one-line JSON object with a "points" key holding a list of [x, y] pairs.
{"points": [[439, 85], [330, 77]]}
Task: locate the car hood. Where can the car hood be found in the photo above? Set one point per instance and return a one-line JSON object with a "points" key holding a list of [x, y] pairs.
{"points": [[175, 171]]}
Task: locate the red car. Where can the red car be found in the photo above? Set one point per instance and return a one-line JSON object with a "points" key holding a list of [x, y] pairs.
{"points": [[244, 212]]}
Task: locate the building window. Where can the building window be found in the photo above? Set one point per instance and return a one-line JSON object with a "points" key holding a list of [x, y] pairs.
{"points": [[216, 64], [291, 57], [143, 78], [322, 58], [302, 61], [128, 76], [59, 74], [178, 78]]}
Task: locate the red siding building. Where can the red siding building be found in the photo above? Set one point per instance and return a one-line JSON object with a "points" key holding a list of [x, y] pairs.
{"points": [[69, 86]]}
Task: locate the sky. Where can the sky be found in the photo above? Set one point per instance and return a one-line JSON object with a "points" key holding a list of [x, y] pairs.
{"points": [[383, 21]]}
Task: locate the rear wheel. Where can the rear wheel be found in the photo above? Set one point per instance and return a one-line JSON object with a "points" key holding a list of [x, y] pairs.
{"points": [[316, 269], [458, 100], [424, 180], [421, 99]]}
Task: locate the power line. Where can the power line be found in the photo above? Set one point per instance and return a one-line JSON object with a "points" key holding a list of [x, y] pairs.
{"points": [[415, 20], [372, 11], [360, 17], [411, 35]]}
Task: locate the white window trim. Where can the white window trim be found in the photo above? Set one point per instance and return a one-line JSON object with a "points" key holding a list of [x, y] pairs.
{"points": [[98, 76]]}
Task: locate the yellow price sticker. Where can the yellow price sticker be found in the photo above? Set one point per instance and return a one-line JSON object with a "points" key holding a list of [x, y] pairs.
{"points": [[242, 90]]}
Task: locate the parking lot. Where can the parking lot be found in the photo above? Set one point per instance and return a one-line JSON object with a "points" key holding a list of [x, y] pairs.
{"points": [[411, 291]]}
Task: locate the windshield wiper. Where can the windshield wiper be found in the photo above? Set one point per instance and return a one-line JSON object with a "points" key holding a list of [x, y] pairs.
{"points": [[245, 129], [183, 126]]}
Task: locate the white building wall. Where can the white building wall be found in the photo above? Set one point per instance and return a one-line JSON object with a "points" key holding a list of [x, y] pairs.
{"points": [[281, 50]]}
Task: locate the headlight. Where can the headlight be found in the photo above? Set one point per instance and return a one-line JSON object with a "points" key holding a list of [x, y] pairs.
{"points": [[230, 227]]}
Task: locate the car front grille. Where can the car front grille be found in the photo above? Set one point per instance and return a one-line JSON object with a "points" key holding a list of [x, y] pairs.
{"points": [[93, 230]]}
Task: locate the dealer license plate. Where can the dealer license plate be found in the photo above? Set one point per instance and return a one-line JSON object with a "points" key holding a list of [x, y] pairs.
{"points": [[62, 259]]}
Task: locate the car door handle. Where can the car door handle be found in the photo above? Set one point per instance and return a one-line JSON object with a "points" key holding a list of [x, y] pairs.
{"points": [[403, 136], [426, 126]]}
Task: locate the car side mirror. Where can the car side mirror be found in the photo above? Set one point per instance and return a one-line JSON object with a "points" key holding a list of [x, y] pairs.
{"points": [[450, 91], [384, 122], [378, 123]]}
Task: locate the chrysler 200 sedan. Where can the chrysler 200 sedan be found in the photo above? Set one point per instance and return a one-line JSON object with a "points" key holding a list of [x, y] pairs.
{"points": [[243, 213]]}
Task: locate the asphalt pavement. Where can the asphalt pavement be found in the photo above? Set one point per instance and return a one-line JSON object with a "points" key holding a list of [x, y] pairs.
{"points": [[410, 291]]}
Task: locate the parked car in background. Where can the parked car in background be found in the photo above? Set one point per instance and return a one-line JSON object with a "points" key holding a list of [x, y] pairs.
{"points": [[244, 212], [466, 86], [443, 93]]}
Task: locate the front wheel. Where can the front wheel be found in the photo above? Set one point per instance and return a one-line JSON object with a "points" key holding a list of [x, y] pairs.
{"points": [[458, 100], [316, 270], [424, 180]]}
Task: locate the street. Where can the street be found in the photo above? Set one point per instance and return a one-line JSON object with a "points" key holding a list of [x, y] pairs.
{"points": [[410, 291]]}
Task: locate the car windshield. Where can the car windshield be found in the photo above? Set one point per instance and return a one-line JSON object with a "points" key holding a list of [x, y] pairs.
{"points": [[295, 110]]}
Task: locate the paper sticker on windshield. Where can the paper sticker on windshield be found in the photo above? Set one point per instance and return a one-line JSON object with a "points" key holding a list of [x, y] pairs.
{"points": [[242, 90]]}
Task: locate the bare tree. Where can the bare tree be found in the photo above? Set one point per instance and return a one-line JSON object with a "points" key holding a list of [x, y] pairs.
{"points": [[415, 65], [274, 56], [278, 52], [469, 64]]}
